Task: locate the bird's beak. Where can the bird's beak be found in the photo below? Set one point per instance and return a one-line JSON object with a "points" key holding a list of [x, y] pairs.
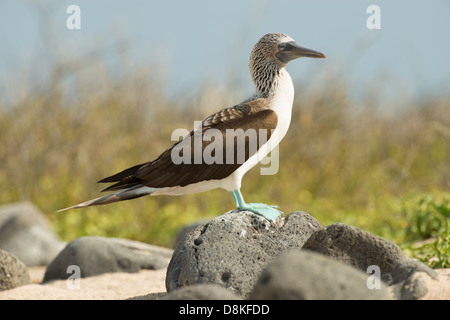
{"points": [[293, 51], [305, 52]]}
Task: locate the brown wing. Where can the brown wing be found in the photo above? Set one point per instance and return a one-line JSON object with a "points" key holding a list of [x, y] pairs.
{"points": [[240, 144]]}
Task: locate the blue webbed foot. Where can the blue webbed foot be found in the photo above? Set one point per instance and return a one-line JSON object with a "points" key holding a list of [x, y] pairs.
{"points": [[268, 212]]}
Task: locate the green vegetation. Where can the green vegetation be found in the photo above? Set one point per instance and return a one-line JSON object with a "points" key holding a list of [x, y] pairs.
{"points": [[429, 221], [343, 160]]}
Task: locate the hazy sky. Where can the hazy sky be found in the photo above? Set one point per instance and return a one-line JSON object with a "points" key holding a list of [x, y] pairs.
{"points": [[204, 40]]}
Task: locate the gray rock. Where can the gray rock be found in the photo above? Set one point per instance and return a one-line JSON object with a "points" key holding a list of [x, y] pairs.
{"points": [[308, 275], [406, 269], [150, 296], [13, 272], [413, 288], [25, 232], [356, 247], [407, 281], [195, 292], [201, 292], [97, 255], [141, 247], [182, 232], [233, 249]]}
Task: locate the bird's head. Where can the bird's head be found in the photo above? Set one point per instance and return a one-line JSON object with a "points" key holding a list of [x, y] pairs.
{"points": [[279, 49], [270, 55]]}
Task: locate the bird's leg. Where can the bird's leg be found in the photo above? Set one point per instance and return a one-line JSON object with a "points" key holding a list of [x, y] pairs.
{"points": [[238, 199], [268, 212]]}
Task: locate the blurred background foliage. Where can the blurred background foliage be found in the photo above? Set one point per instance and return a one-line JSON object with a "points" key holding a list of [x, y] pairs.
{"points": [[382, 168]]}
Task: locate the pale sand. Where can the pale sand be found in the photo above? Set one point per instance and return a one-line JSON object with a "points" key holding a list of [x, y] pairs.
{"points": [[108, 286]]}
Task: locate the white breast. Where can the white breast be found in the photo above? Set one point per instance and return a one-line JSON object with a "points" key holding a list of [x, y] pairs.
{"points": [[281, 102]]}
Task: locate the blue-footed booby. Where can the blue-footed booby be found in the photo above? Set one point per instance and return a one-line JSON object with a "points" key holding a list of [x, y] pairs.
{"points": [[267, 114]]}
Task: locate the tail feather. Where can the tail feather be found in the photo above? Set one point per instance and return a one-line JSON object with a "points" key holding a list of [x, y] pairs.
{"points": [[124, 174], [126, 194]]}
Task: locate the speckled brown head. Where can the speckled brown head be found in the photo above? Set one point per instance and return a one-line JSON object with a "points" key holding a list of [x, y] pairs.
{"points": [[272, 53]]}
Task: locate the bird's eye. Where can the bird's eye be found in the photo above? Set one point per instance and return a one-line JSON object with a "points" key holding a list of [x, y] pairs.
{"points": [[282, 46]]}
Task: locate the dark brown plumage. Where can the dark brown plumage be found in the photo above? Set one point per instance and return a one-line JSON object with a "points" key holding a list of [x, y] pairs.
{"points": [[162, 172]]}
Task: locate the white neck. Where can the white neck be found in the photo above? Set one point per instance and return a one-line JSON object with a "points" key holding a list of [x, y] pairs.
{"points": [[282, 98]]}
